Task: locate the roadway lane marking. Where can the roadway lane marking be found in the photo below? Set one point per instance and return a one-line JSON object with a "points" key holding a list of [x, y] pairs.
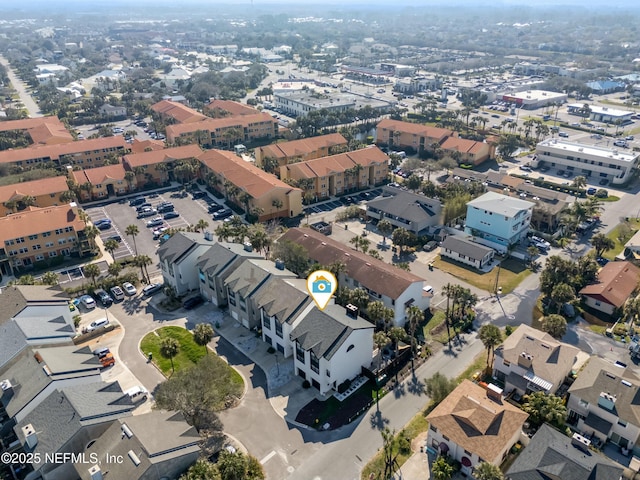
{"points": [[268, 457]]}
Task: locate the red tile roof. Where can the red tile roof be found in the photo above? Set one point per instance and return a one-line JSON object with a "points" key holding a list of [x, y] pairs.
{"points": [[302, 147], [373, 274], [415, 128], [99, 175], [34, 188], [463, 145], [140, 146], [234, 108], [324, 166], [42, 130], [211, 124], [177, 111], [39, 220], [242, 174], [54, 152], [616, 282], [159, 156]]}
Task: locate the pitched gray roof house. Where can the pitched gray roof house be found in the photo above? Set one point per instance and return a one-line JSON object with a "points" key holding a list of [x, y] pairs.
{"points": [[158, 444], [324, 331], [550, 455], [250, 275], [35, 374], [221, 256], [466, 247], [12, 342], [405, 209], [16, 298], [177, 246], [58, 420]]}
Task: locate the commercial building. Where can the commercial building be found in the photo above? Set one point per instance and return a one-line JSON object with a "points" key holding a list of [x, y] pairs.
{"points": [[283, 153], [532, 99], [300, 103], [593, 162], [602, 114]]}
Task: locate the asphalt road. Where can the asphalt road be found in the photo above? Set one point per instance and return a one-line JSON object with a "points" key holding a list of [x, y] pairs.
{"points": [[21, 88]]}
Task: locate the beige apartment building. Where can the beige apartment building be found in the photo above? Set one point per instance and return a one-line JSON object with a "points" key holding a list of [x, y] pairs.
{"points": [[301, 150], [44, 192]]}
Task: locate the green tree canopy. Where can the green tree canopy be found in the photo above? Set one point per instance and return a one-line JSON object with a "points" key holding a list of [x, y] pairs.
{"points": [[555, 325], [438, 387], [543, 407]]}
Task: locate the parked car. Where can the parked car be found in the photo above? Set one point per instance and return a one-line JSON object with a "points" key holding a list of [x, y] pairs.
{"points": [[148, 212], [137, 394], [155, 222], [101, 221], [136, 201], [222, 214], [151, 289], [168, 207], [103, 322], [117, 293], [430, 246], [214, 207], [591, 191], [604, 181], [129, 288], [107, 360], [88, 302], [563, 134], [198, 194], [116, 238], [104, 226], [143, 206], [192, 302], [170, 215], [101, 352], [104, 298]]}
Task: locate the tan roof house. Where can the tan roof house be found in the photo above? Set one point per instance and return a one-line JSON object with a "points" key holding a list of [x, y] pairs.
{"points": [[474, 425], [43, 192], [616, 282]]}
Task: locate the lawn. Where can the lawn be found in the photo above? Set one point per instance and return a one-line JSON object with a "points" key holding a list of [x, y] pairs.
{"points": [[188, 354], [435, 321], [512, 273], [634, 224]]}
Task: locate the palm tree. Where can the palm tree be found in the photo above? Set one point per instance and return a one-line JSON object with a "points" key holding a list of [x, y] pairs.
{"points": [[114, 269], [92, 271], [414, 316], [379, 313], [67, 196], [491, 337], [201, 225], [133, 231], [169, 348], [91, 232], [441, 469], [385, 228], [602, 243], [380, 340], [580, 181], [111, 246], [202, 335], [143, 261], [487, 471], [129, 177], [50, 278]]}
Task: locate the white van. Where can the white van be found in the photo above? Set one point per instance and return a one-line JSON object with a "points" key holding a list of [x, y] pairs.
{"points": [[137, 394]]}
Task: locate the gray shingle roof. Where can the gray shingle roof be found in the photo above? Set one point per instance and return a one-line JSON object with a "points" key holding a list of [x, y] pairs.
{"points": [[65, 412], [324, 331], [500, 204], [12, 342], [175, 247], [601, 376], [221, 255], [157, 437], [409, 206], [39, 329], [466, 247], [250, 275], [283, 298], [551, 455], [14, 299]]}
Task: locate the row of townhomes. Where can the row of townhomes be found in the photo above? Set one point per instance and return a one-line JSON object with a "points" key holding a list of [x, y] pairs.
{"points": [[53, 401], [330, 345], [477, 423], [423, 138]]}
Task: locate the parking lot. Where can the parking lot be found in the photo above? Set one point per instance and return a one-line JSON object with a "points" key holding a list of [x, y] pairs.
{"points": [[121, 215], [354, 199]]}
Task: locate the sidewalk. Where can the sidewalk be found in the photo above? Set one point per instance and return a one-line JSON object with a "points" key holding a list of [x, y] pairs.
{"points": [[284, 388]]}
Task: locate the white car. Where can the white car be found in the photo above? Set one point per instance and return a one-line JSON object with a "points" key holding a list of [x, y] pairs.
{"points": [[88, 302], [129, 289]]}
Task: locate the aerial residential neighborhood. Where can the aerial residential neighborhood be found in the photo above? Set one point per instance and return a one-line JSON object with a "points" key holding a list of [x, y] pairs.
{"points": [[292, 241]]}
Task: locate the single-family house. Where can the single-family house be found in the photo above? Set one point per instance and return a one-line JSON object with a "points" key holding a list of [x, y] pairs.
{"points": [[532, 361], [474, 425], [216, 264], [603, 404], [551, 454], [153, 445], [178, 258], [411, 211], [109, 110], [498, 221], [244, 282], [331, 346], [463, 250], [616, 282], [396, 288]]}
